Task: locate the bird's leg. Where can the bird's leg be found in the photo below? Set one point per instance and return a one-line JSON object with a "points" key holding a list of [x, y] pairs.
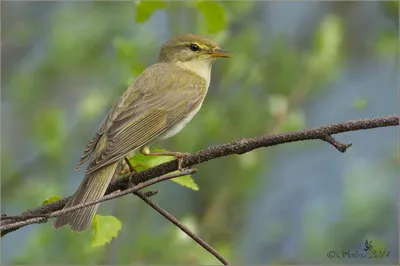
{"points": [[130, 166], [132, 169], [179, 155]]}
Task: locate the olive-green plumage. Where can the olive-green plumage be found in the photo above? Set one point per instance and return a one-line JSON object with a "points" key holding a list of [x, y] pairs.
{"points": [[159, 103]]}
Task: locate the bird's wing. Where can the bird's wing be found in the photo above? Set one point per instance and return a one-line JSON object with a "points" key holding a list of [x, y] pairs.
{"points": [[107, 122], [87, 153], [160, 100]]}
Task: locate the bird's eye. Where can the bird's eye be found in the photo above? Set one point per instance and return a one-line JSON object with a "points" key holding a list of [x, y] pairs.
{"points": [[194, 47]]}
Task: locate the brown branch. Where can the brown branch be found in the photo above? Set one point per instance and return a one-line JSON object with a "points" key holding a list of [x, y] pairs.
{"points": [[181, 226], [338, 145], [240, 146]]}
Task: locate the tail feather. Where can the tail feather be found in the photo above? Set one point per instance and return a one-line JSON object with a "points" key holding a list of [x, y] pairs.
{"points": [[92, 187]]}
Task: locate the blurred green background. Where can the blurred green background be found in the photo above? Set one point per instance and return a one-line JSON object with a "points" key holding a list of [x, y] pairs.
{"points": [[295, 65]]}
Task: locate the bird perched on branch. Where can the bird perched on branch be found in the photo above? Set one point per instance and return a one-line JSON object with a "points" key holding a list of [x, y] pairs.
{"points": [[158, 104]]}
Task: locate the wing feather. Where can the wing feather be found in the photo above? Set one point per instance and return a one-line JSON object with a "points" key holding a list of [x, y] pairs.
{"points": [[87, 153]]}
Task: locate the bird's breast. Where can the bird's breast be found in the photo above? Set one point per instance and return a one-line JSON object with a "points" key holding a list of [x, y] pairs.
{"points": [[181, 124]]}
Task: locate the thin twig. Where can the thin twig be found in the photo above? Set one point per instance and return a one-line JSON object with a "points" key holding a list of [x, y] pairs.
{"points": [[93, 202], [342, 147], [21, 217], [181, 226]]}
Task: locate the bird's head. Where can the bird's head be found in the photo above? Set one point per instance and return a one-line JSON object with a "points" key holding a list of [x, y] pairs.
{"points": [[191, 47]]}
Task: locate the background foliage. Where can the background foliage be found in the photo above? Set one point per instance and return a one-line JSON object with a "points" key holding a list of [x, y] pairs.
{"points": [[296, 65]]}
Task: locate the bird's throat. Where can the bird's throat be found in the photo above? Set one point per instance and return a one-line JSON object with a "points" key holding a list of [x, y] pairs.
{"points": [[201, 68]]}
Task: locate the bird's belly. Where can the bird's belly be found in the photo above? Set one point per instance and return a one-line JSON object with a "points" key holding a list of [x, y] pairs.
{"points": [[180, 125]]}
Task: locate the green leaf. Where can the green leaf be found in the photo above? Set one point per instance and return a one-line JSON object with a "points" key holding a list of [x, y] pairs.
{"points": [[144, 9], [360, 104], [186, 181], [51, 199], [105, 229], [214, 15], [142, 162]]}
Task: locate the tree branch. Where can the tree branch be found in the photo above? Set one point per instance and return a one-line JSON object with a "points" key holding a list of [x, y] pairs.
{"points": [[183, 228], [239, 146]]}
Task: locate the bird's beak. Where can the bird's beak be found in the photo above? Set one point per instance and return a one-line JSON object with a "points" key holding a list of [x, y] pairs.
{"points": [[220, 53]]}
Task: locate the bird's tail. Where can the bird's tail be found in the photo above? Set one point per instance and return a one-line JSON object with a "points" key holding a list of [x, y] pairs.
{"points": [[93, 186]]}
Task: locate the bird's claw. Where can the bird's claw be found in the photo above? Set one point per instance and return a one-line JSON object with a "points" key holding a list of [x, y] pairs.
{"points": [[181, 156]]}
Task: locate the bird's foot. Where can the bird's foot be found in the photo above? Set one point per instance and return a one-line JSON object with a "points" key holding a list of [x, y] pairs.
{"points": [[178, 155]]}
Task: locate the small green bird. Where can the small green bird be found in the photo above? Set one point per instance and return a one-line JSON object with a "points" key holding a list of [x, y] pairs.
{"points": [[159, 104]]}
